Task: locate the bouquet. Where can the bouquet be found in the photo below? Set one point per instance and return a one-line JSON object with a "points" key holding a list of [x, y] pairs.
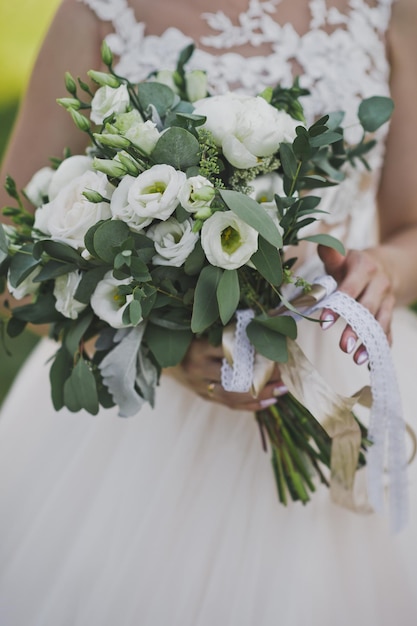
{"points": [[178, 216]]}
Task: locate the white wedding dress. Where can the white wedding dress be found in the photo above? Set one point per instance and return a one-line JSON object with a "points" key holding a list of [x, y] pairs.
{"points": [[171, 517]]}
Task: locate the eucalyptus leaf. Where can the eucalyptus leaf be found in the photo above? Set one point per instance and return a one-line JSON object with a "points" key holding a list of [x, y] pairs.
{"points": [[288, 160], [195, 260], [53, 269], [58, 251], [267, 261], [109, 236], [80, 389], [157, 94], [325, 139], [168, 346], [177, 147], [253, 214], [88, 283], [42, 311], [375, 111], [205, 309], [326, 240], [228, 295]]}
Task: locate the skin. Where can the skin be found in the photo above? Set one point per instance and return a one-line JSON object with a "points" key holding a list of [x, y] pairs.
{"points": [[378, 277]]}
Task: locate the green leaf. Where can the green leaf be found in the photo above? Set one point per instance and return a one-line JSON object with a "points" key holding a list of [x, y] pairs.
{"points": [[228, 295], [42, 311], [157, 94], [335, 119], [205, 308], [253, 214], [267, 261], [80, 389], [76, 331], [288, 160], [177, 147], [269, 343], [59, 372], [282, 324], [375, 111], [52, 269], [4, 248], [58, 251], [88, 283], [325, 139], [195, 260], [167, 346], [15, 327], [139, 270], [326, 240], [108, 237], [22, 265]]}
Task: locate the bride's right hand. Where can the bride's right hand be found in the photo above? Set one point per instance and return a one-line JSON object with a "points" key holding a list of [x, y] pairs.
{"points": [[200, 372]]}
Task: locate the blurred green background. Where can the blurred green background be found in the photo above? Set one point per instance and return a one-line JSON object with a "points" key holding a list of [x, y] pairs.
{"points": [[23, 24]]}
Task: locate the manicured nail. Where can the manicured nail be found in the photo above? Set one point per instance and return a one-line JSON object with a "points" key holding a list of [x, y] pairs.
{"points": [[327, 321], [280, 390], [350, 344], [268, 402], [362, 357]]}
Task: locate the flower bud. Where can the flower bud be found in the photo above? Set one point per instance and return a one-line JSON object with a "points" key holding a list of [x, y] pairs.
{"points": [[203, 213], [196, 85], [128, 162], [70, 84], [106, 54], [69, 103], [109, 167], [113, 141], [94, 196], [204, 193], [103, 79], [80, 121]]}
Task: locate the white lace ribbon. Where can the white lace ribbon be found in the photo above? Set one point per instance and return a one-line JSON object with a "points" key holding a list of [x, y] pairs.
{"points": [[386, 424]]}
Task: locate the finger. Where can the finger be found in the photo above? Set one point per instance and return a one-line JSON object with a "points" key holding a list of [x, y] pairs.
{"points": [[327, 318], [348, 340], [334, 262]]}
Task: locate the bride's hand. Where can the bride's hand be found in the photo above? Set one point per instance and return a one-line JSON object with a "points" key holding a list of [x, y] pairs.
{"points": [[200, 372], [363, 276]]}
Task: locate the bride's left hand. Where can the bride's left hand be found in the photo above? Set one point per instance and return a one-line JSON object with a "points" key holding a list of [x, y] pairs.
{"points": [[363, 276]]}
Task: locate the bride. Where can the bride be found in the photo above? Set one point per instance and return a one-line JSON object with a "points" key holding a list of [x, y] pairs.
{"points": [[171, 517]]}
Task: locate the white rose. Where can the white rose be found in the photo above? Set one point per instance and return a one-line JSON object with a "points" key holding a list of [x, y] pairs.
{"points": [[106, 302], [227, 241], [64, 291], [245, 127], [174, 241], [153, 194], [37, 188], [196, 193], [69, 215], [143, 135], [108, 100], [27, 287], [68, 170]]}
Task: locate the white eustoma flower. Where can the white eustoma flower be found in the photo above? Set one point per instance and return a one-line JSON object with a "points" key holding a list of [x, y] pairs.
{"points": [[106, 302], [37, 188], [143, 135], [124, 121], [196, 85], [67, 171], [26, 288], [69, 215], [174, 241], [108, 100], [246, 128], [196, 193], [227, 241], [64, 291], [264, 188], [152, 194]]}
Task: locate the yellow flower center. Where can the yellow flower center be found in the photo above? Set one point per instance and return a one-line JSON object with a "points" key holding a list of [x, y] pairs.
{"points": [[157, 187], [230, 239]]}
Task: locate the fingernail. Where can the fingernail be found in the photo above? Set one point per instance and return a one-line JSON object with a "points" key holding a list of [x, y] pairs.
{"points": [[280, 390], [268, 402], [350, 344], [362, 357], [327, 321]]}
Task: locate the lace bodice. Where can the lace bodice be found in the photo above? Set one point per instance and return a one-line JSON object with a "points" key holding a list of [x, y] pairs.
{"points": [[342, 57]]}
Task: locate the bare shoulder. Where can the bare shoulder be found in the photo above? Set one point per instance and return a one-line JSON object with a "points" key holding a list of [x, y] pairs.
{"points": [[402, 32]]}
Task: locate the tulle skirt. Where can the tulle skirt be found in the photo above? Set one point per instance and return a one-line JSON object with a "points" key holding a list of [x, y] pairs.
{"points": [[172, 517]]}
